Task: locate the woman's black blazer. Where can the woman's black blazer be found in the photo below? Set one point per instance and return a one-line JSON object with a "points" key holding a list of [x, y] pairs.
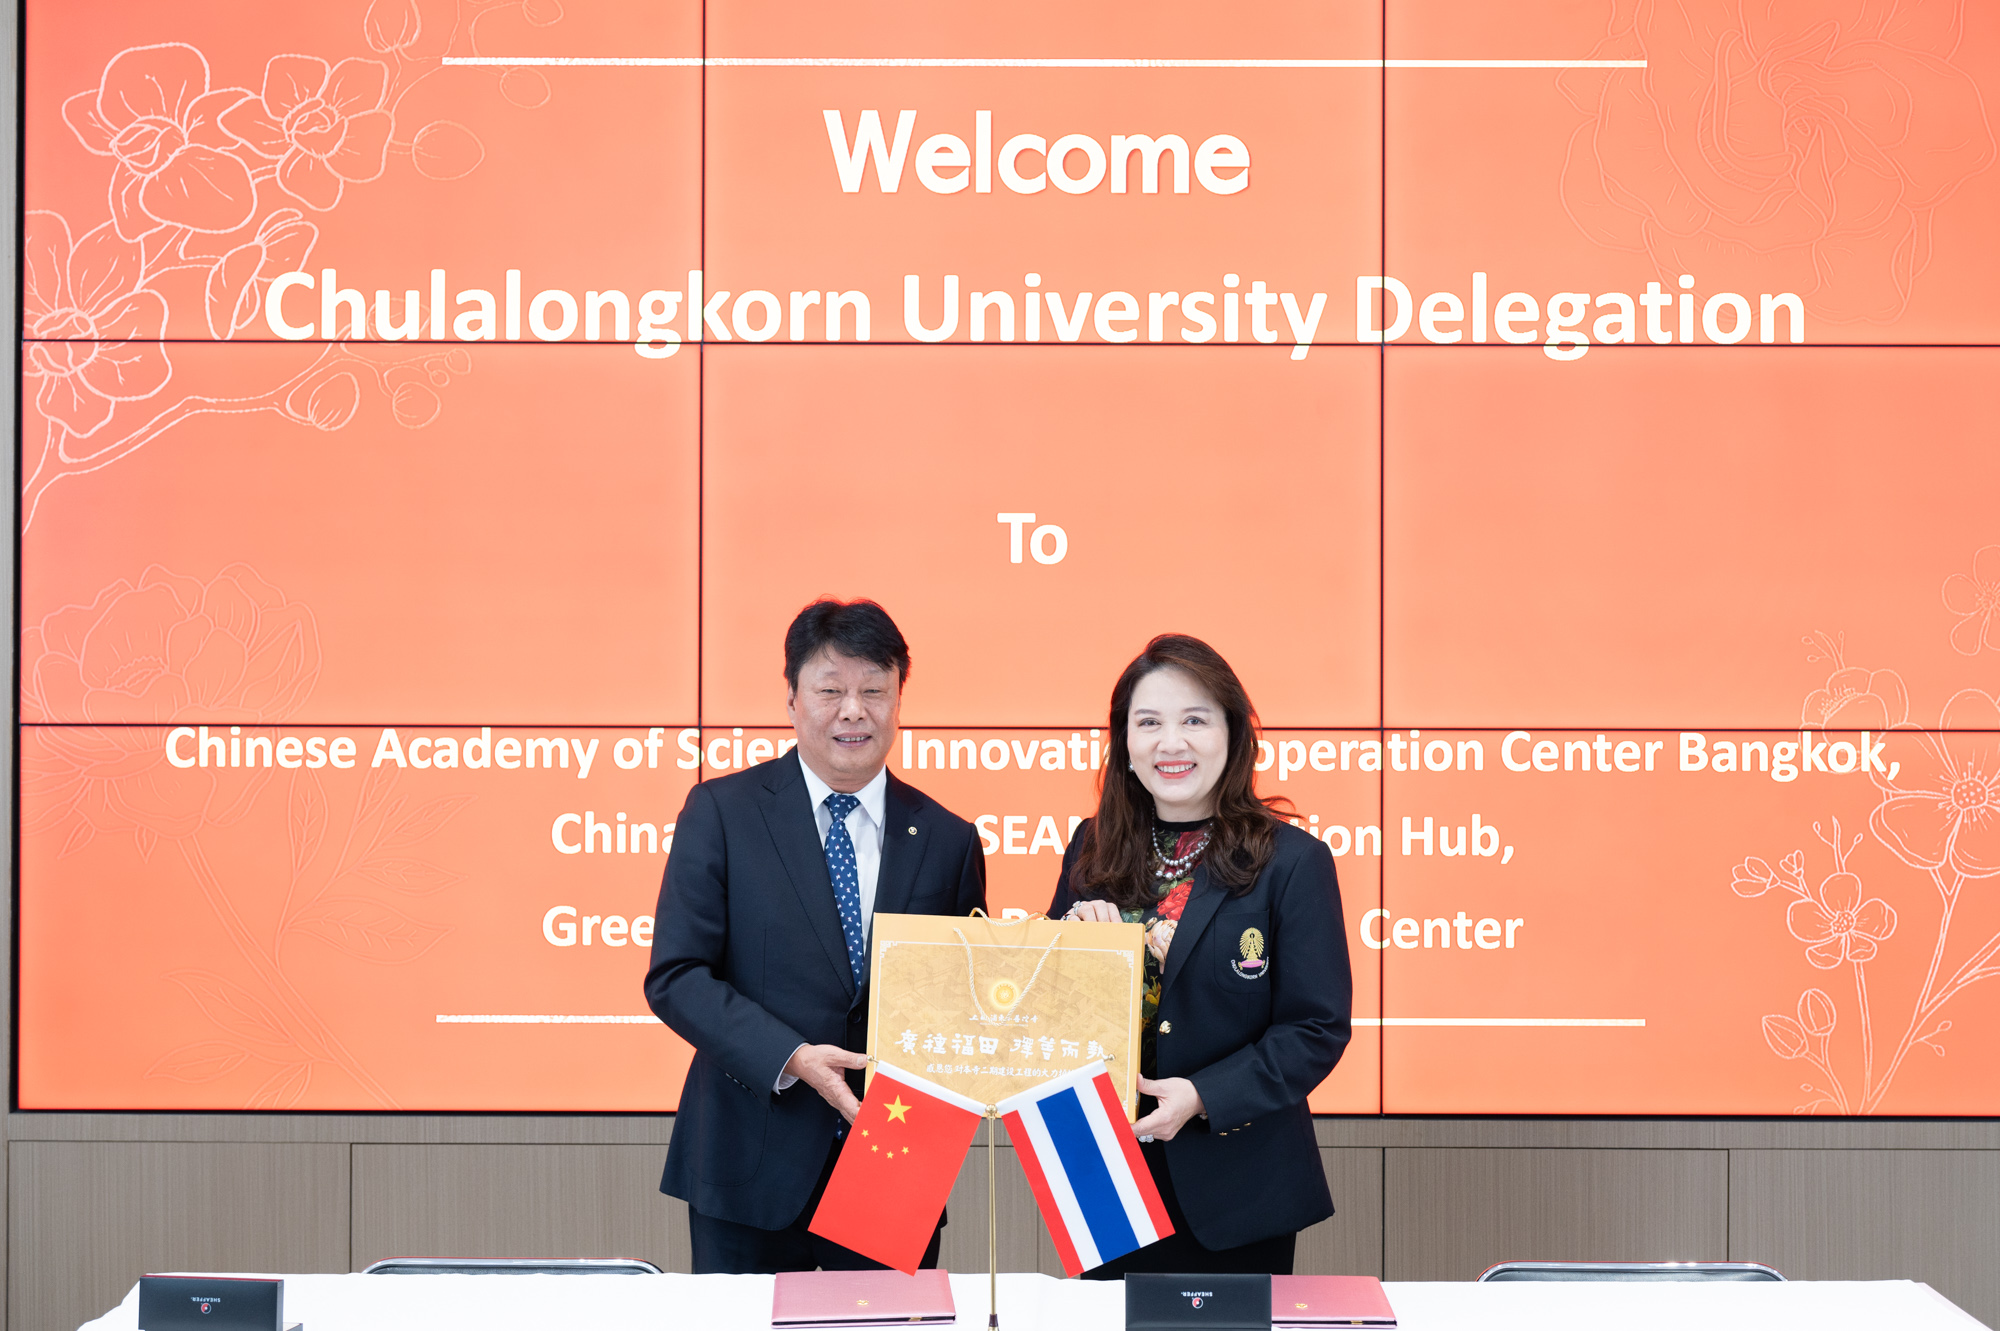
{"points": [[1254, 1041]]}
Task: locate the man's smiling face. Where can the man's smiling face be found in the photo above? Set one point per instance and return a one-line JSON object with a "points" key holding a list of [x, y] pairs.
{"points": [[844, 711]]}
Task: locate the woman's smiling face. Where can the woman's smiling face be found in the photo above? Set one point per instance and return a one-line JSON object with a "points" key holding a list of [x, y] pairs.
{"points": [[1178, 738]]}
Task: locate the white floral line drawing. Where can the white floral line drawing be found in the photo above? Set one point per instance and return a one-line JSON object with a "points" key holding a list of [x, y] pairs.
{"points": [[359, 926], [1823, 146], [1975, 600], [1842, 929], [192, 168], [1849, 930], [325, 395], [1938, 812], [170, 646]]}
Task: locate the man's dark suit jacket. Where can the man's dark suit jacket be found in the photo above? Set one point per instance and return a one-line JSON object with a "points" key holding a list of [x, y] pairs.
{"points": [[749, 963], [1254, 1041]]}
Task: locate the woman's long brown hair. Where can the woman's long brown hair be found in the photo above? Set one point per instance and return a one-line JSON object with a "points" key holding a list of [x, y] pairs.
{"points": [[1115, 861]]}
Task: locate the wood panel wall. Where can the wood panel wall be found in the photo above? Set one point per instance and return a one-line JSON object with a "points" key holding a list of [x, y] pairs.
{"points": [[93, 1200]]}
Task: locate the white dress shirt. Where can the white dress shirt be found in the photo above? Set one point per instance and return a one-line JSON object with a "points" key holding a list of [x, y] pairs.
{"points": [[866, 827]]}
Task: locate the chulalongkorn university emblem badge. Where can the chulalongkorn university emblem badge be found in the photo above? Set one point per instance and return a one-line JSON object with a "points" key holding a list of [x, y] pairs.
{"points": [[1251, 964]]}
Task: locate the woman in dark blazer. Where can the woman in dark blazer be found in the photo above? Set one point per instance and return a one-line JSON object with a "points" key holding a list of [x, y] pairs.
{"points": [[1248, 993]]}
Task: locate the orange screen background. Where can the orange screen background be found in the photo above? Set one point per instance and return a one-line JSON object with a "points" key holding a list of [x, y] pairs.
{"points": [[1647, 692]]}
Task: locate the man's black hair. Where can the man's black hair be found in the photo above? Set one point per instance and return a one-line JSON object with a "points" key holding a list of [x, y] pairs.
{"points": [[860, 629]]}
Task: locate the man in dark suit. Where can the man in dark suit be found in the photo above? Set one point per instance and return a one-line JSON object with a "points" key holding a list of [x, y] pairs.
{"points": [[760, 956]]}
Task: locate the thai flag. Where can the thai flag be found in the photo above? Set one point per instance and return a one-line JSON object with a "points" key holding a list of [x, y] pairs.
{"points": [[1096, 1194]]}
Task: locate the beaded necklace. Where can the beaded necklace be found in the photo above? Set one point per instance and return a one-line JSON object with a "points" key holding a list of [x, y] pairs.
{"points": [[1170, 868]]}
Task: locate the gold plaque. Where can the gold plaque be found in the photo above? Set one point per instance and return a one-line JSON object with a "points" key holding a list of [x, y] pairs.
{"points": [[989, 1008]]}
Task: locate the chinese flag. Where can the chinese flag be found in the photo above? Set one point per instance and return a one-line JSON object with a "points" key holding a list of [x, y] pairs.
{"points": [[896, 1169]]}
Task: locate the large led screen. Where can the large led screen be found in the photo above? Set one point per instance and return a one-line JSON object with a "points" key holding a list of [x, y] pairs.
{"points": [[1571, 419]]}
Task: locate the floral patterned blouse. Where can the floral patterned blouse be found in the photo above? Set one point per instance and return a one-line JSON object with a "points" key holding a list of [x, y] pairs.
{"points": [[1161, 918]]}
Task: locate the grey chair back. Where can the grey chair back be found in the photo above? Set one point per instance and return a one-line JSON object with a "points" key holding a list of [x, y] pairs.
{"points": [[1630, 1271], [512, 1266]]}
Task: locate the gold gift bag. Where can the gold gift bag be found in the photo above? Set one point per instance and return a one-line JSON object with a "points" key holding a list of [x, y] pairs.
{"points": [[989, 1007]]}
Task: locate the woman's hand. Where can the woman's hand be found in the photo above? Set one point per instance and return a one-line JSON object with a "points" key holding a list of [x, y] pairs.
{"points": [[1179, 1102], [1094, 912]]}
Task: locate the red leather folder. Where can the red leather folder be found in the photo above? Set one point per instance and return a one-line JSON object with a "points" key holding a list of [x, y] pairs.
{"points": [[1330, 1301], [861, 1298]]}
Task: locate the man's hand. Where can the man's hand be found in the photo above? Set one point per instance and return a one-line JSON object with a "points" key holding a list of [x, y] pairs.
{"points": [[1179, 1102], [821, 1066], [1094, 912]]}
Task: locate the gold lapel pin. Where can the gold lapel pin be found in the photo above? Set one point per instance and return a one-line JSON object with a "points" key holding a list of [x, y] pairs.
{"points": [[913, 831]]}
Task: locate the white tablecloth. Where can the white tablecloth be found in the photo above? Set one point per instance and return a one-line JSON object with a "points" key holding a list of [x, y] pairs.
{"points": [[1042, 1303]]}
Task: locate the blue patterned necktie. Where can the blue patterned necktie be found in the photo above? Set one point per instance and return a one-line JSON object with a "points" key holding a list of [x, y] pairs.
{"points": [[846, 879]]}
